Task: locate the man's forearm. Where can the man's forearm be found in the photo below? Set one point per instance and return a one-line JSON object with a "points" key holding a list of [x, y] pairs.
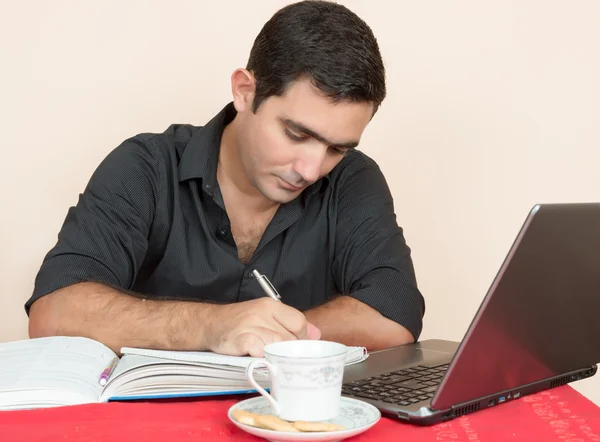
{"points": [[351, 322], [120, 320]]}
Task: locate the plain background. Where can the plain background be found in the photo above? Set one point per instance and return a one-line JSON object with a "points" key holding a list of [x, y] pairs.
{"points": [[492, 108]]}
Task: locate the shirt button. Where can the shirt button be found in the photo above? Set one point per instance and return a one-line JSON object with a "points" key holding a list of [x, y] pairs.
{"points": [[223, 232], [207, 187]]}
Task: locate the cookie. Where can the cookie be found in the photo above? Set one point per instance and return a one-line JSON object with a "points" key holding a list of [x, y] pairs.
{"points": [[271, 422], [316, 426], [264, 421], [245, 417]]}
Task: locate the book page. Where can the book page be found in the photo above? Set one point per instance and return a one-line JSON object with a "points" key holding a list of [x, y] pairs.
{"points": [[51, 371], [157, 376], [193, 356], [354, 355]]}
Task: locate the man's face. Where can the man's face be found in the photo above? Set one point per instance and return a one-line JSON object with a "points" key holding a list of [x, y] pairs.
{"points": [[297, 138]]}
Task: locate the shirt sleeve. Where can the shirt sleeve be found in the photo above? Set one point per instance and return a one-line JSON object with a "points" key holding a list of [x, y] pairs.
{"points": [[372, 260], [104, 236]]}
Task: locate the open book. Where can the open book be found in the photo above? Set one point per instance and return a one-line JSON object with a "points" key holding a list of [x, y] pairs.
{"points": [[57, 371]]}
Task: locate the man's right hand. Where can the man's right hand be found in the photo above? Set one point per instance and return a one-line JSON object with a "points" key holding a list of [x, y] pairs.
{"points": [[244, 328]]}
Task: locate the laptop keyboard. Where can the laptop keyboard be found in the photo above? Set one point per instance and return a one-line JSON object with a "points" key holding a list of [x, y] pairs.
{"points": [[402, 387]]}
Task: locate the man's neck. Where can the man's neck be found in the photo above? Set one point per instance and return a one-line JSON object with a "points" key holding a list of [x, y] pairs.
{"points": [[231, 175]]}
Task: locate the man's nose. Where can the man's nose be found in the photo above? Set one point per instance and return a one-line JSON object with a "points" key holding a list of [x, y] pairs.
{"points": [[309, 165]]}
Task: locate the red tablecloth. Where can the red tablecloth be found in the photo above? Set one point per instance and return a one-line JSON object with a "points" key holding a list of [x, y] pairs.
{"points": [[561, 414]]}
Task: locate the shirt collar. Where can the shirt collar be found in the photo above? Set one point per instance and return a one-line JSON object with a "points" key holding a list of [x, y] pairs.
{"points": [[201, 156]]}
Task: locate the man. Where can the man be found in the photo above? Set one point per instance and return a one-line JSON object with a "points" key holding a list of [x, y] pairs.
{"points": [[160, 248]]}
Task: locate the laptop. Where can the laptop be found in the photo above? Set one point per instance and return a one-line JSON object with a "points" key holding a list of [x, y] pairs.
{"points": [[537, 328]]}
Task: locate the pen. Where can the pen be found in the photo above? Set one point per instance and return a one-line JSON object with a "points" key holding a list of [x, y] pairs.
{"points": [[108, 371], [266, 285]]}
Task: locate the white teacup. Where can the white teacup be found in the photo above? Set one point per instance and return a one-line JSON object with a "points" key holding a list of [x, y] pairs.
{"points": [[306, 378]]}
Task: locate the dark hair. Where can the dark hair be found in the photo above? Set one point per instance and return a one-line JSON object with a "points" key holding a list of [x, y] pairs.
{"points": [[324, 41]]}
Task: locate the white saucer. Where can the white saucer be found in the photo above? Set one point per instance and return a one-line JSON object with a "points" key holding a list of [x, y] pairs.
{"points": [[356, 416]]}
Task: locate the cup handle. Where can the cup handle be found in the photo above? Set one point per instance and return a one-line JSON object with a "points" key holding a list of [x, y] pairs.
{"points": [[249, 374]]}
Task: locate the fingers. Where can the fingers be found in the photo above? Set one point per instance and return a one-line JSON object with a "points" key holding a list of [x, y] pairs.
{"points": [[267, 318], [312, 331], [249, 344], [292, 320], [253, 341], [262, 322]]}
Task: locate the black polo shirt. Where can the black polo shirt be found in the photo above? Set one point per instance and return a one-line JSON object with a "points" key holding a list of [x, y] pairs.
{"points": [[152, 221]]}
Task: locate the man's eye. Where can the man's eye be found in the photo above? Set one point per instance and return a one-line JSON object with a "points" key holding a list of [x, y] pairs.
{"points": [[339, 151], [295, 137]]}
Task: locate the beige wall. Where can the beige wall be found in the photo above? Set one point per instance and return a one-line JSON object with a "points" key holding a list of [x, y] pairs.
{"points": [[492, 107]]}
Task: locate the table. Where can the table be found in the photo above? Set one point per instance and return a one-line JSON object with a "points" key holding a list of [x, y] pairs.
{"points": [[561, 414]]}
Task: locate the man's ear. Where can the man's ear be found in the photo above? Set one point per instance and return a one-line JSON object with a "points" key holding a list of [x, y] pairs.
{"points": [[243, 87]]}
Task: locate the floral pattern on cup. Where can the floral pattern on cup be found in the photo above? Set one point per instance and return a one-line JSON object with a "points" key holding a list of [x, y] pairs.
{"points": [[315, 377]]}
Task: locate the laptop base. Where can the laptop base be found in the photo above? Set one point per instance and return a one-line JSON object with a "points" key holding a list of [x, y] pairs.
{"points": [[385, 371]]}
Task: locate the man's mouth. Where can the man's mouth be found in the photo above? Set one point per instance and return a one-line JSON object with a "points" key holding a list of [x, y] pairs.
{"points": [[289, 186]]}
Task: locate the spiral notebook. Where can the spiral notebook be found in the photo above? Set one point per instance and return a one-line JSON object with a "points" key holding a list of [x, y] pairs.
{"points": [[58, 371]]}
